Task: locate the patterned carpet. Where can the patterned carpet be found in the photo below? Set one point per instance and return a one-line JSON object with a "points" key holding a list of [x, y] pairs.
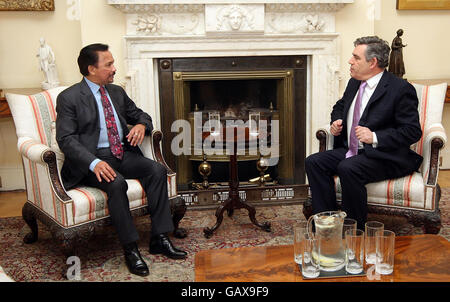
{"points": [[102, 259]]}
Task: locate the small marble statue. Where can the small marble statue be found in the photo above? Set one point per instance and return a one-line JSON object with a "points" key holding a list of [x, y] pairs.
{"points": [[396, 65], [48, 65]]}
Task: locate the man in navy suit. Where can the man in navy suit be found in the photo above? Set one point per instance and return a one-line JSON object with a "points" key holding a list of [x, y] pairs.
{"points": [[87, 112], [385, 125]]}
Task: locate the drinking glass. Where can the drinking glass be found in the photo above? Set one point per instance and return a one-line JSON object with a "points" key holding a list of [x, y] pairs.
{"points": [[369, 240], [385, 247], [253, 119], [310, 258], [299, 237], [354, 251], [214, 123], [349, 224]]}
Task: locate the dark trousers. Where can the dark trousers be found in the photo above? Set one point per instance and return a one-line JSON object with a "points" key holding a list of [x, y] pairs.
{"points": [[153, 178], [354, 173]]}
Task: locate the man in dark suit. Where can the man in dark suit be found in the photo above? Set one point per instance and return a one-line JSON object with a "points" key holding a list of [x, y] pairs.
{"points": [[373, 125], [100, 151]]}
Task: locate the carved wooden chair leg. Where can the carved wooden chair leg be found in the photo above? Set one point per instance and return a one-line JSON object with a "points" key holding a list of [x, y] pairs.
{"points": [[307, 208], [28, 214], [178, 209], [433, 224], [433, 221], [67, 241], [70, 241], [66, 244], [430, 222]]}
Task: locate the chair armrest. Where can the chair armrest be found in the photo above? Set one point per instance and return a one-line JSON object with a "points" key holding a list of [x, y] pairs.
{"points": [[150, 147], [44, 155], [146, 147], [156, 149], [434, 140], [32, 149], [326, 139]]}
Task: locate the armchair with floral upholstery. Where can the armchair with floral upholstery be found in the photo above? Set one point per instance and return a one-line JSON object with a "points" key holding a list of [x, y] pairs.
{"points": [[415, 196], [70, 215]]}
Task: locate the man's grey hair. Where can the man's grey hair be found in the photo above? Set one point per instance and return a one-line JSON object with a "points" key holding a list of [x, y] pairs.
{"points": [[376, 48]]}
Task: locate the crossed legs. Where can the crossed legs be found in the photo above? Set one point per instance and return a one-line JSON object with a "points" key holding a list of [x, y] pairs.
{"points": [[354, 173]]}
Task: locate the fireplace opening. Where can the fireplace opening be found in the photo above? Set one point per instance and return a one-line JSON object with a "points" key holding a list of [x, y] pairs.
{"points": [[233, 98], [234, 101], [233, 88]]}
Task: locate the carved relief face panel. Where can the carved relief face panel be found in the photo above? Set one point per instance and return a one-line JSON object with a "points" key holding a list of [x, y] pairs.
{"points": [[235, 19]]}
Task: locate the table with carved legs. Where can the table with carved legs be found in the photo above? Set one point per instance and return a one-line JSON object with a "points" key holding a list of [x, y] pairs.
{"points": [[234, 201]]}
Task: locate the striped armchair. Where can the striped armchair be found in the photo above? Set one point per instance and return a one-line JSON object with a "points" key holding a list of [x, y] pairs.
{"points": [[70, 215], [415, 196]]}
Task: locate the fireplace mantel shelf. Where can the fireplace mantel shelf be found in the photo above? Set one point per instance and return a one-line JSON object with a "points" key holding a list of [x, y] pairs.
{"points": [[237, 37], [139, 6]]}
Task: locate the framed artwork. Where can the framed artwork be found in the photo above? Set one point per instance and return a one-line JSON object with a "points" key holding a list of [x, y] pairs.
{"points": [[423, 4], [27, 5]]}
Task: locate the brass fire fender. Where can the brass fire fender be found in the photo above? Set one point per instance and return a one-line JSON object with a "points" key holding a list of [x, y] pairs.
{"points": [[284, 103], [257, 196]]}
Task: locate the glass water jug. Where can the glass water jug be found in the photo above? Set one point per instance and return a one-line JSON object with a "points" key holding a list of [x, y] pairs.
{"points": [[328, 232]]}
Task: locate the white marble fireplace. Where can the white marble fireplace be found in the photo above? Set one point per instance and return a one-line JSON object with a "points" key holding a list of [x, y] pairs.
{"points": [[215, 28]]}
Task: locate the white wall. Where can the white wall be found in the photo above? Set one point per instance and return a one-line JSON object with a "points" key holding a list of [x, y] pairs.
{"points": [[19, 43], [427, 53]]}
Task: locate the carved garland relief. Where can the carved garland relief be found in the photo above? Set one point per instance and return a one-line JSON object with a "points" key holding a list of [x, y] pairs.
{"points": [[227, 19], [158, 24], [295, 23], [148, 24]]}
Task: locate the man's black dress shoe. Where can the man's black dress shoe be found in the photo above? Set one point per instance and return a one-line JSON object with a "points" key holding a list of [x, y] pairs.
{"points": [[161, 244], [136, 265]]}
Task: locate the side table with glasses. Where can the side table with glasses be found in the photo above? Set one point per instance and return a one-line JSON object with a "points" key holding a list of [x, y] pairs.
{"points": [[234, 201]]}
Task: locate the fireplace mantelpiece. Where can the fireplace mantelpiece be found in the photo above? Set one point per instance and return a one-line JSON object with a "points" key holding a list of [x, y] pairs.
{"points": [[208, 28]]}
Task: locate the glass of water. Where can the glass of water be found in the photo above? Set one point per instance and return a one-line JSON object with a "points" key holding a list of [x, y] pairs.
{"points": [[214, 123], [253, 120], [299, 237], [369, 240], [349, 224], [354, 251], [310, 258], [385, 250]]}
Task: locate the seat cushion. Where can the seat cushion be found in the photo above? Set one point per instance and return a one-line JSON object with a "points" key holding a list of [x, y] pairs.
{"points": [[90, 203], [407, 192]]}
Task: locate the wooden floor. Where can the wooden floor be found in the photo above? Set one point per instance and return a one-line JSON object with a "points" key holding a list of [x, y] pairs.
{"points": [[11, 202]]}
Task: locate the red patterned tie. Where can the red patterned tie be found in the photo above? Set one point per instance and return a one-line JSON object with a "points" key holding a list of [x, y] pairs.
{"points": [[353, 143], [113, 134]]}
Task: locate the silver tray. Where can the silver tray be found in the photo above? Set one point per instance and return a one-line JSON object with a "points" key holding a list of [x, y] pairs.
{"points": [[336, 274]]}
